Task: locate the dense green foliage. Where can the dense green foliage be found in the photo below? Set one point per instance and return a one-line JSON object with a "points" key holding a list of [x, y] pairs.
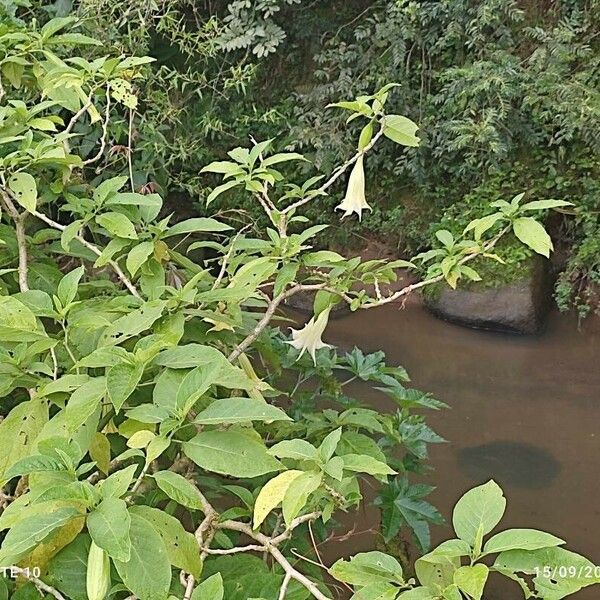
{"points": [[156, 427], [506, 95]]}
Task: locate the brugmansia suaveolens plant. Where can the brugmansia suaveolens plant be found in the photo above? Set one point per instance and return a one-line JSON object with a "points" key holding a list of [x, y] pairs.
{"points": [[160, 437]]}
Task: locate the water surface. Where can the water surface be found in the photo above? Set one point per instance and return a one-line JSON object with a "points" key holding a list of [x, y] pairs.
{"points": [[524, 410]]}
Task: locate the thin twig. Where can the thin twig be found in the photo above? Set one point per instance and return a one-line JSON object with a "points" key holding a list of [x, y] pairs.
{"points": [[39, 584], [120, 274], [98, 155]]}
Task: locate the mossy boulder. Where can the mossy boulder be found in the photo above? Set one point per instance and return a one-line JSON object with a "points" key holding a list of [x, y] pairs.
{"points": [[518, 306]]}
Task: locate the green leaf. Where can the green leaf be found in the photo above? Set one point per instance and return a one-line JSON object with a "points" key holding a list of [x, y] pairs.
{"points": [[366, 464], [24, 189], [109, 527], [117, 484], [401, 130], [521, 539], [84, 401], [533, 234], [33, 464], [231, 453], [471, 580], [19, 430], [67, 570], [329, 444], [28, 533], [178, 488], [220, 189], [117, 224], [181, 546], [297, 494], [478, 512], [272, 494], [239, 410], [67, 288], [147, 574], [188, 356], [296, 449], [368, 568], [133, 323], [197, 224], [210, 589], [121, 381], [545, 204], [138, 255], [17, 322]]}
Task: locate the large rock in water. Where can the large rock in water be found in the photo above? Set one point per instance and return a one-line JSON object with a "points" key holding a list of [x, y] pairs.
{"points": [[518, 307]]}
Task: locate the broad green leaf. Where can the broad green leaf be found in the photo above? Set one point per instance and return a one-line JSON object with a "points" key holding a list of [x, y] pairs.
{"points": [[329, 444], [121, 381], [558, 572], [368, 568], [297, 494], [521, 539], [33, 464], [471, 580], [435, 570], [197, 224], [19, 430], [188, 356], [545, 204], [210, 589], [67, 288], [84, 401], [134, 323], [239, 410], [138, 255], [147, 574], [24, 189], [117, 483], [28, 533], [231, 453], [401, 130], [67, 570], [478, 512], [418, 593], [117, 224], [220, 189], [178, 488], [296, 449], [17, 322], [533, 234], [182, 546], [272, 494], [366, 464], [109, 527]]}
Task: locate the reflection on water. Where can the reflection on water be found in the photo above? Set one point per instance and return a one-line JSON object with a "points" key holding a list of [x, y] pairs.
{"points": [[511, 464], [524, 410]]}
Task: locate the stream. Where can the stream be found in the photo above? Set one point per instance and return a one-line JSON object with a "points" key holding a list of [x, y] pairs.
{"points": [[523, 411]]}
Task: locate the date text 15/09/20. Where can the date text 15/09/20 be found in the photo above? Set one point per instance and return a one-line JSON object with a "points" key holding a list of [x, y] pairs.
{"points": [[14, 572], [568, 572]]}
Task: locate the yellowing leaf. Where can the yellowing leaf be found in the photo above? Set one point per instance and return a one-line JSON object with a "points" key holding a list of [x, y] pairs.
{"points": [[140, 439], [272, 494]]}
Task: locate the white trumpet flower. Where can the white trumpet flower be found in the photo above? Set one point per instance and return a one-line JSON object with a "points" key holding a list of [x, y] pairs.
{"points": [[309, 337], [355, 201]]}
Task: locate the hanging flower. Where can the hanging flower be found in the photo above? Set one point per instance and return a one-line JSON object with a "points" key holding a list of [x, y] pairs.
{"points": [[309, 337], [354, 201]]}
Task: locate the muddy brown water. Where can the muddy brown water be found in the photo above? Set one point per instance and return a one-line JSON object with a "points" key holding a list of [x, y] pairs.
{"points": [[524, 411]]}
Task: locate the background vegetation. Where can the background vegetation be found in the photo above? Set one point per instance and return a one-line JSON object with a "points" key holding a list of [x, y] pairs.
{"points": [[505, 93]]}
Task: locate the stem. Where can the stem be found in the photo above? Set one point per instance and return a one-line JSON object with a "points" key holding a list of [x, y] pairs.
{"points": [[271, 308], [19, 219], [120, 274]]}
